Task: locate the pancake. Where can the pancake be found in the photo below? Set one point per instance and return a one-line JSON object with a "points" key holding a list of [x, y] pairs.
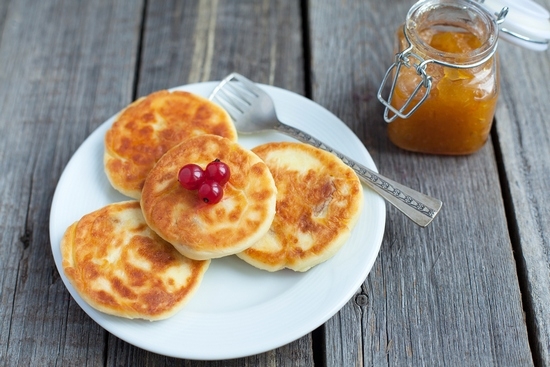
{"points": [[150, 126], [319, 201], [203, 231], [121, 267]]}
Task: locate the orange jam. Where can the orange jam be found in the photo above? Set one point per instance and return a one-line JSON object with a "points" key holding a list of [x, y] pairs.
{"points": [[457, 115]]}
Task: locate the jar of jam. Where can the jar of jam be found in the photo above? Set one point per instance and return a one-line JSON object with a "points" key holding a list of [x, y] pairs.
{"points": [[445, 78]]}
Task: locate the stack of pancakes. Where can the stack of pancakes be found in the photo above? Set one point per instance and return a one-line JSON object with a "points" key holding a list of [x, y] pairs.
{"points": [[286, 205]]}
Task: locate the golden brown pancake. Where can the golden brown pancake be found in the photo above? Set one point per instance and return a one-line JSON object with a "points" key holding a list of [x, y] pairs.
{"points": [[121, 267], [203, 231], [150, 126], [319, 201]]}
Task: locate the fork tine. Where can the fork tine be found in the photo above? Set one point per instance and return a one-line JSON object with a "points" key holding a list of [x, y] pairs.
{"points": [[249, 84], [230, 96], [236, 89], [226, 105], [235, 94], [220, 85], [227, 81]]}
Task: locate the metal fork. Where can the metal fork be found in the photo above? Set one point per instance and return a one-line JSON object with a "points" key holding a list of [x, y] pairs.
{"points": [[252, 110]]}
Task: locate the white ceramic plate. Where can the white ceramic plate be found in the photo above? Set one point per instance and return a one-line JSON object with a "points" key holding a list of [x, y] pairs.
{"points": [[238, 310]]}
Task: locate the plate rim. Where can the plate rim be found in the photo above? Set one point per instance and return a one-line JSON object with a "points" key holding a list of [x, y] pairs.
{"points": [[261, 347]]}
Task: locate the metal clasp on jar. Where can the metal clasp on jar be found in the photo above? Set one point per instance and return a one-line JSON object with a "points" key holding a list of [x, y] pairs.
{"points": [[404, 59]]}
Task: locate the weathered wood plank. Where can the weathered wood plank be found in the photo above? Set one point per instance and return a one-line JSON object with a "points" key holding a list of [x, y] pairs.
{"points": [[74, 76], [194, 41], [524, 136], [61, 75], [202, 40], [445, 295]]}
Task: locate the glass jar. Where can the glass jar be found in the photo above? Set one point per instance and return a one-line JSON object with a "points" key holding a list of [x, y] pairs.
{"points": [[445, 79]]}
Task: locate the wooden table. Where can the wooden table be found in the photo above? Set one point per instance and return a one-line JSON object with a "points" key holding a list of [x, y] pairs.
{"points": [[472, 289]]}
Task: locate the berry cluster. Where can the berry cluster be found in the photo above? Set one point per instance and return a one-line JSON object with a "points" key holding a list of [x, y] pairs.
{"points": [[209, 181]]}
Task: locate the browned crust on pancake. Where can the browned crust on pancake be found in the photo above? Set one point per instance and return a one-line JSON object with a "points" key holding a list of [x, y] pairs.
{"points": [[150, 126], [121, 267], [199, 230], [319, 201]]}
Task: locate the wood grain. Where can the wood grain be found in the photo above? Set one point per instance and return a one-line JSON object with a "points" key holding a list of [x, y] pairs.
{"points": [[208, 39], [81, 63], [471, 289], [445, 295], [194, 41], [61, 76], [523, 133]]}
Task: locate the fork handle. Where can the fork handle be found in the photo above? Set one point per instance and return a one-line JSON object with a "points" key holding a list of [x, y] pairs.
{"points": [[420, 208]]}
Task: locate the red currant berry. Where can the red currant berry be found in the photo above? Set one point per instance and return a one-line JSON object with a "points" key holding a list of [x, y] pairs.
{"points": [[218, 171], [191, 176], [211, 192]]}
